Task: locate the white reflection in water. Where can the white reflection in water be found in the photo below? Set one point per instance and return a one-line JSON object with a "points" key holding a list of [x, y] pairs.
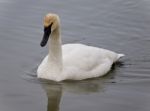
{"points": [[55, 90]]}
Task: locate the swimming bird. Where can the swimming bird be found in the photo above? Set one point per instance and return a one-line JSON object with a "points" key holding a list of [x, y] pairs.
{"points": [[71, 61]]}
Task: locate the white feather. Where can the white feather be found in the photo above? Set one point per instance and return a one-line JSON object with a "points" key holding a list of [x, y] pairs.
{"points": [[75, 61]]}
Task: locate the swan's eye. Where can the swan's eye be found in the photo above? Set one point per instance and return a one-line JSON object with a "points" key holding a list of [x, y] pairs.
{"points": [[47, 29]]}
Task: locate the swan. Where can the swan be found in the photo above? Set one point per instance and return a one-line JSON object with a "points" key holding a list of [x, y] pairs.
{"points": [[71, 61]]}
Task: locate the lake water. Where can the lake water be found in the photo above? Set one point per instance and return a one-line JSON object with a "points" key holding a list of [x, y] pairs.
{"points": [[119, 25]]}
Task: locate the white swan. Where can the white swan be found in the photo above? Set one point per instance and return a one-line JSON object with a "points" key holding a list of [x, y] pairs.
{"points": [[71, 61]]}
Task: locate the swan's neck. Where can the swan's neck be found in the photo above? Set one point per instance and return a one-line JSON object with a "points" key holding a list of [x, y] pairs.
{"points": [[55, 51]]}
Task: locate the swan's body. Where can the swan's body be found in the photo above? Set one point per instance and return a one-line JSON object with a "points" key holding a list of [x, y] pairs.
{"points": [[73, 61]]}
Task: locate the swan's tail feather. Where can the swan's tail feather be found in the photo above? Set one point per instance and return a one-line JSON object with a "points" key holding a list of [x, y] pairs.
{"points": [[120, 56]]}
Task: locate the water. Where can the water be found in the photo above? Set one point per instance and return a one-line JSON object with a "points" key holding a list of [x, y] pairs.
{"points": [[119, 25]]}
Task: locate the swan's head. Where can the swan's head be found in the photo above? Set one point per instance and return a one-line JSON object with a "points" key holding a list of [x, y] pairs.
{"points": [[51, 23]]}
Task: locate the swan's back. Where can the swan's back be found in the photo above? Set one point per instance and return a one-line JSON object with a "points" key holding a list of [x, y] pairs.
{"points": [[82, 61], [80, 51]]}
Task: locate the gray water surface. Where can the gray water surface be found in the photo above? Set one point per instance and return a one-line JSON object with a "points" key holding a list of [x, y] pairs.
{"points": [[119, 25]]}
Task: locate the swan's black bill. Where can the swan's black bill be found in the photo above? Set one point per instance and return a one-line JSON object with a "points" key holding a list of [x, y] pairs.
{"points": [[47, 32]]}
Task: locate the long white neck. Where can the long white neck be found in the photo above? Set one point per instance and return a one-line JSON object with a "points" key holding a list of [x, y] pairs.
{"points": [[55, 50]]}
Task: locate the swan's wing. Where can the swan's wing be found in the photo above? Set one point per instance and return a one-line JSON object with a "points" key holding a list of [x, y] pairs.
{"points": [[81, 61], [85, 57]]}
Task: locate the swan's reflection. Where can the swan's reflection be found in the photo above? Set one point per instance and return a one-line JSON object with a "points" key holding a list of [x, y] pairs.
{"points": [[55, 90]]}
